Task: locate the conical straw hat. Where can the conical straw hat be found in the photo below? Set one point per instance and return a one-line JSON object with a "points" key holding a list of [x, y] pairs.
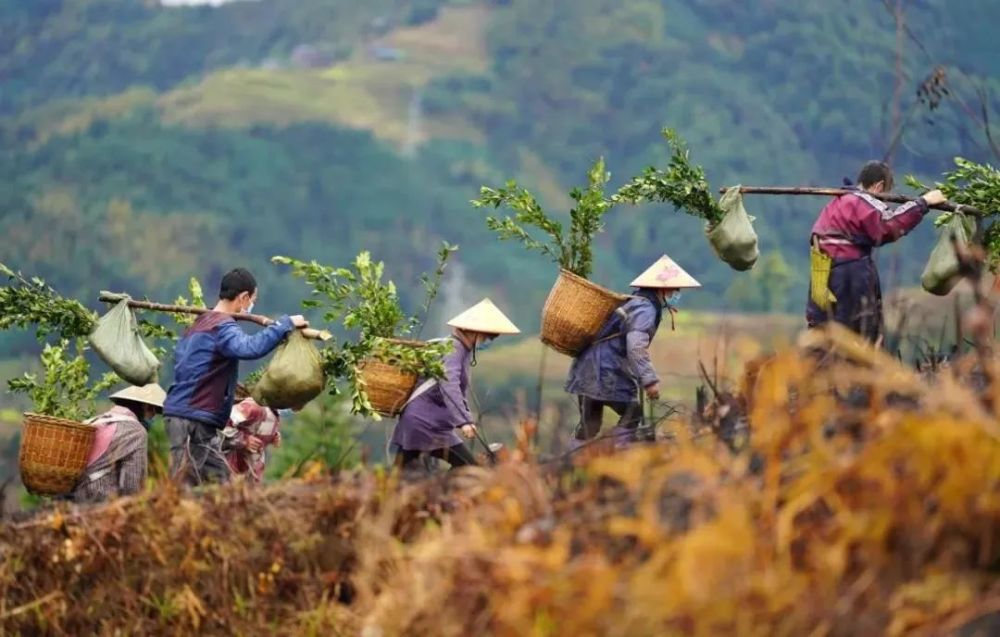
{"points": [[151, 394], [665, 273], [486, 318]]}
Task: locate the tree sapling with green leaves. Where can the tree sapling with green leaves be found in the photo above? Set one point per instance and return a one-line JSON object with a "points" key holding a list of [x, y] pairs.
{"points": [[572, 251], [65, 389], [26, 303], [369, 307], [682, 184], [728, 227], [977, 186]]}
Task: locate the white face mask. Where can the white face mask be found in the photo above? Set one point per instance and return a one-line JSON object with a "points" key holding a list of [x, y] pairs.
{"points": [[248, 309]]}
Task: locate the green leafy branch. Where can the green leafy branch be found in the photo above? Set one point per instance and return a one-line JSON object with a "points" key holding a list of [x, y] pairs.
{"points": [[252, 378], [26, 303], [197, 300], [970, 184], [572, 251], [528, 212], [975, 185], [363, 303], [357, 297], [432, 282], [682, 184], [65, 389], [31, 302]]}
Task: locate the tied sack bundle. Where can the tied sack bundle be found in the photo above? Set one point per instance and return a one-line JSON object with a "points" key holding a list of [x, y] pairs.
{"points": [[117, 340], [733, 239], [293, 377], [941, 272]]}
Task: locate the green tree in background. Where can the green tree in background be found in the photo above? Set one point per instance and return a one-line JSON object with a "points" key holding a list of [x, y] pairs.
{"points": [[767, 288], [320, 433], [106, 187]]}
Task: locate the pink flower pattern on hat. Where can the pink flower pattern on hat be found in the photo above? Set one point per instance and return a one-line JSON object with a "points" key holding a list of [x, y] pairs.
{"points": [[668, 272], [665, 273]]}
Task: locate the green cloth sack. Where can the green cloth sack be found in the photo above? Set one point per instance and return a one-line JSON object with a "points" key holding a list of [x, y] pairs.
{"points": [[941, 272], [293, 377], [734, 239], [117, 340]]}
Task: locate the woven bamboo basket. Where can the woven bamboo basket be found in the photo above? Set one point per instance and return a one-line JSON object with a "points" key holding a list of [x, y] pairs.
{"points": [[53, 453], [575, 312], [387, 386]]}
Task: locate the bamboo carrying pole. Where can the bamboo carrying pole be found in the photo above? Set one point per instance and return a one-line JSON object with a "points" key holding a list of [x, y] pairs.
{"points": [[109, 297], [834, 192]]}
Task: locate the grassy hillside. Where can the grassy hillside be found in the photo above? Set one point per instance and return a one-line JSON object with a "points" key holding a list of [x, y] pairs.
{"points": [[477, 92], [141, 145], [360, 92]]}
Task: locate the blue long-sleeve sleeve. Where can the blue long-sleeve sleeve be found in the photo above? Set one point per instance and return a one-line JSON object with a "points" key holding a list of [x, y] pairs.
{"points": [[233, 342]]}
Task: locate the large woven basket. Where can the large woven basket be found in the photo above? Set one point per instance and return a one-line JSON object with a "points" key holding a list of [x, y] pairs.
{"points": [[575, 312], [53, 453], [387, 386]]}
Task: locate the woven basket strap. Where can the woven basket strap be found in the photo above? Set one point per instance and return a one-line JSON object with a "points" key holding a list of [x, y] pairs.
{"points": [[620, 311], [425, 386], [118, 454]]}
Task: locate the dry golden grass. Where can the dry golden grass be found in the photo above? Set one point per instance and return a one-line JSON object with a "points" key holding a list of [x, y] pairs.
{"points": [[845, 517]]}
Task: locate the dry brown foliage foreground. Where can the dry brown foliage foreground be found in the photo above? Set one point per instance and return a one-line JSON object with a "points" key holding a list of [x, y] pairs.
{"points": [[869, 504]]}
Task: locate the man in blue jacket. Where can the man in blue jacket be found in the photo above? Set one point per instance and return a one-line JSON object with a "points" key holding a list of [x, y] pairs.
{"points": [[206, 365], [613, 369]]}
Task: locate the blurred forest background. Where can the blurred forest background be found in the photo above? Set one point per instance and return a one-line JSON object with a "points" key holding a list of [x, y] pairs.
{"points": [[141, 144]]}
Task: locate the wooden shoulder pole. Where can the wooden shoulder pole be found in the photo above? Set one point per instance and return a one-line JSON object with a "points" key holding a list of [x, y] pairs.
{"points": [[109, 297], [835, 192]]}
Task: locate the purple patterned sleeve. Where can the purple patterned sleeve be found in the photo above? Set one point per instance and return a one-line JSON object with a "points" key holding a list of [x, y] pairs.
{"points": [[451, 389]]}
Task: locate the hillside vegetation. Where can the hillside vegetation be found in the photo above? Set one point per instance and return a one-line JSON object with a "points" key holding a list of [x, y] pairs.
{"points": [[106, 99]]}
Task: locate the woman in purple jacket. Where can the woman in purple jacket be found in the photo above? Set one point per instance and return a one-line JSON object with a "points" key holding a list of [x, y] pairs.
{"points": [[437, 410], [613, 369]]}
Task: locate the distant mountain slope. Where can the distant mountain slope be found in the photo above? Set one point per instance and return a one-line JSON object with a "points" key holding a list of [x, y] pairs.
{"points": [[322, 127]]}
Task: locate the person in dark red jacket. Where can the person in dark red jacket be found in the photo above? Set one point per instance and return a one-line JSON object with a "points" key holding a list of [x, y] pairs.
{"points": [[848, 229], [206, 365]]}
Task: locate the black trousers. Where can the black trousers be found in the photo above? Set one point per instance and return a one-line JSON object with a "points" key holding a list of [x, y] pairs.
{"points": [[592, 416], [457, 456]]}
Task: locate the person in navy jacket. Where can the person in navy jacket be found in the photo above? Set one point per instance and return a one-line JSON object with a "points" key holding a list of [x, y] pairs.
{"points": [[206, 365], [848, 229]]}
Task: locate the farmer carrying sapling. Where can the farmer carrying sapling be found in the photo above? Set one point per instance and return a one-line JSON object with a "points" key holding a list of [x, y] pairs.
{"points": [[206, 365], [117, 463], [438, 410], [615, 368], [845, 283]]}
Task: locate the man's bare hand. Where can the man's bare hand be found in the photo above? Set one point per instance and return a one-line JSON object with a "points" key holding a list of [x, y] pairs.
{"points": [[469, 431], [934, 197], [299, 321], [653, 391]]}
